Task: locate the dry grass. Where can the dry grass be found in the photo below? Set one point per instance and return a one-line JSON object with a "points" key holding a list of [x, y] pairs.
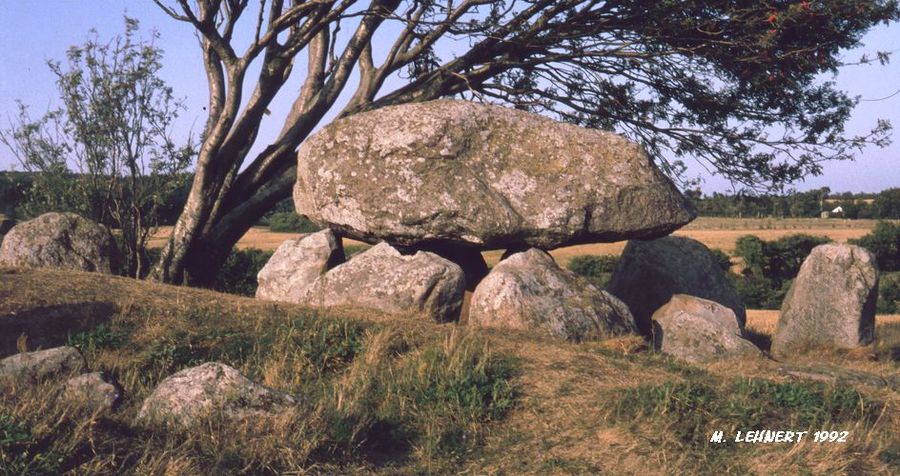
{"points": [[381, 393]]}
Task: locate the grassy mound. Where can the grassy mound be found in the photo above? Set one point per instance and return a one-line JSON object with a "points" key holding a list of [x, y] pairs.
{"points": [[396, 394]]}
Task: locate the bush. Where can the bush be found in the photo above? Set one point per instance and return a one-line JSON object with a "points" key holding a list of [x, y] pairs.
{"points": [[889, 293], [884, 243], [289, 222], [770, 266], [238, 274], [597, 269]]}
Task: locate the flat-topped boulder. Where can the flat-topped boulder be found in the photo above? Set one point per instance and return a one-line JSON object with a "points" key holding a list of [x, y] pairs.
{"points": [[528, 290], [60, 240], [457, 173]]}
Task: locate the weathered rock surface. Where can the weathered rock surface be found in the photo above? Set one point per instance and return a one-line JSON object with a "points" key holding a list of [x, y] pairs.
{"points": [[94, 390], [384, 279], [296, 264], [649, 273], [29, 368], [831, 303], [459, 173], [209, 389], [699, 330], [528, 290], [469, 259], [60, 240]]}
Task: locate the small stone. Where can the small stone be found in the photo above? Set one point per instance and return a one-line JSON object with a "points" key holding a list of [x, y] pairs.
{"points": [[699, 330], [213, 388], [94, 390], [30, 368]]}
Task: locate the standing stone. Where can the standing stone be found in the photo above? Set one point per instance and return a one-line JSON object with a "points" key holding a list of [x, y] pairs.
{"points": [[458, 173], [296, 264], [29, 368], [382, 278], [60, 240], [93, 390], [698, 330], [192, 394], [649, 273], [527, 290], [831, 303]]}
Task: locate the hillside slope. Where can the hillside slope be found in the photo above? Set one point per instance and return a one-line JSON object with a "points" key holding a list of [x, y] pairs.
{"points": [[396, 394]]}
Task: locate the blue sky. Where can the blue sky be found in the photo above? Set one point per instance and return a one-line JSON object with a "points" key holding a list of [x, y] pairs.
{"points": [[36, 31]]}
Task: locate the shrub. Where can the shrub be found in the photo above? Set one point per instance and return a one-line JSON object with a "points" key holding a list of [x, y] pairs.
{"points": [[597, 269], [884, 243], [889, 293], [770, 266], [238, 274], [289, 222]]}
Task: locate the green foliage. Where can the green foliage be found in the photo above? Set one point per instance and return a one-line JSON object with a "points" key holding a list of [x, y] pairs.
{"points": [[769, 267], [598, 269], [103, 336], [884, 243], [887, 204], [290, 222], [434, 399], [107, 153], [693, 408], [889, 293], [304, 345], [20, 452], [238, 274]]}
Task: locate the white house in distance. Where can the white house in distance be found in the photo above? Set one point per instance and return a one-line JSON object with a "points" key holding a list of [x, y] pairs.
{"points": [[837, 211]]}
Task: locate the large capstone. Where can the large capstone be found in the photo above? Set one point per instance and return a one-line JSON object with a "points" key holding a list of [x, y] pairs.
{"points": [[60, 240], [384, 279], [831, 303], [528, 290], [699, 330], [487, 177], [296, 264], [649, 273]]}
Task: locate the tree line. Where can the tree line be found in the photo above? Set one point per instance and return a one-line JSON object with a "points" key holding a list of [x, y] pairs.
{"points": [[884, 205]]}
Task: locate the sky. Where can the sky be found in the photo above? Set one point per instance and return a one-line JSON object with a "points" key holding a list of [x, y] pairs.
{"points": [[34, 32]]}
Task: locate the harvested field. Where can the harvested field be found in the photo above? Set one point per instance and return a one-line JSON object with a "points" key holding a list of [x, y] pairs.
{"points": [[717, 233]]}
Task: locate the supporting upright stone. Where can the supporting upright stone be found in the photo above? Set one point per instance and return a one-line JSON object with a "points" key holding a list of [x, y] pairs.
{"points": [[831, 303]]}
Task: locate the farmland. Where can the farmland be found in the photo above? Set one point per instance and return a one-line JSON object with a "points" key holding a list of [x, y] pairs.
{"points": [[716, 233]]}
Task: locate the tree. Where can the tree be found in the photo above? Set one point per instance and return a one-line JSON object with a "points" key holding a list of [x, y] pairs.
{"points": [[733, 84], [114, 128], [887, 204]]}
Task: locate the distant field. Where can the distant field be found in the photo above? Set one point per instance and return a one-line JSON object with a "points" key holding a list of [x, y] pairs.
{"points": [[764, 321], [717, 233]]}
